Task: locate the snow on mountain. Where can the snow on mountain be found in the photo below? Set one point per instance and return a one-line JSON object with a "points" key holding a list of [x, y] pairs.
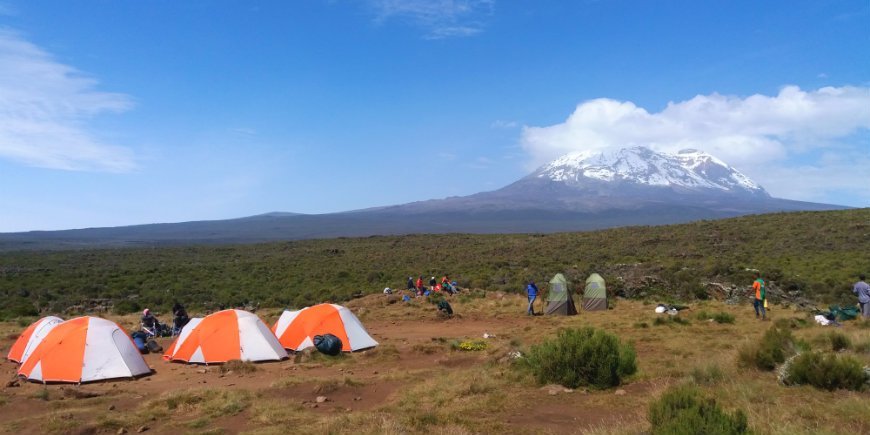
{"points": [[687, 169]]}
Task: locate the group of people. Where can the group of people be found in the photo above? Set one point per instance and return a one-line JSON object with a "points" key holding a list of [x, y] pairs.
{"points": [[861, 289], [152, 327], [419, 288]]}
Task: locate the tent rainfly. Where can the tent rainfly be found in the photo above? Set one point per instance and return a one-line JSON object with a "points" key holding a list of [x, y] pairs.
{"points": [[595, 296], [296, 329], [559, 298], [84, 349], [225, 336], [31, 337]]}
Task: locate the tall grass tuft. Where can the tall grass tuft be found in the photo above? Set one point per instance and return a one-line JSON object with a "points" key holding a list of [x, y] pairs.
{"points": [[582, 357], [775, 346], [683, 410]]}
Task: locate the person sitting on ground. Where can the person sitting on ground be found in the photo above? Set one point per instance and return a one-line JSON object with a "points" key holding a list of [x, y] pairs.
{"points": [[445, 285], [760, 296], [532, 291], [149, 322], [179, 319]]}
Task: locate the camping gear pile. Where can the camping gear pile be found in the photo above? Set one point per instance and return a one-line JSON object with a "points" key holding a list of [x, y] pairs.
{"points": [[835, 315]]}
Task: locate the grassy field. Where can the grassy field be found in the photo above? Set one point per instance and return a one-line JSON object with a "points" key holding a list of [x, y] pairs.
{"points": [[815, 254], [418, 380]]}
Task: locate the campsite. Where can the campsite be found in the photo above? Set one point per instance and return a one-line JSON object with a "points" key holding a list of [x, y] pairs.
{"points": [[414, 369], [418, 378]]}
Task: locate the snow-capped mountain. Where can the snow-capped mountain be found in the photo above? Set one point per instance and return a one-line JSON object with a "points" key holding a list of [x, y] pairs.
{"points": [[686, 171], [580, 191]]}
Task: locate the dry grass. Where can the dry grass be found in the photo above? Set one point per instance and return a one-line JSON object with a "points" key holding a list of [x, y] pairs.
{"points": [[442, 391]]}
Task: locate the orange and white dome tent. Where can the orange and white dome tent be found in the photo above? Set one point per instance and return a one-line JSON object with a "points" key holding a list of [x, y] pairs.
{"points": [[224, 336], [84, 349], [31, 337], [296, 329]]}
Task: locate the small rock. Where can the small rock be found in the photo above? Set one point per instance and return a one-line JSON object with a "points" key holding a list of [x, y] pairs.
{"points": [[202, 371], [620, 392], [121, 431], [375, 372], [142, 429], [13, 384], [321, 399], [111, 407], [357, 399]]}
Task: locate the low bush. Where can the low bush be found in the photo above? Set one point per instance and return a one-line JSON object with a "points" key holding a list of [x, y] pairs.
{"points": [[670, 320], [582, 357], [826, 371], [839, 341], [683, 410], [775, 346]]}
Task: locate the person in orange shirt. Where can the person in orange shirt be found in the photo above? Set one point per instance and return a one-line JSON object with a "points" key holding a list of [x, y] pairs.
{"points": [[760, 296]]}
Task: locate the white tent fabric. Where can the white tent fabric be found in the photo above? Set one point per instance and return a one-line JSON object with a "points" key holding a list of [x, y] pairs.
{"points": [[224, 336]]}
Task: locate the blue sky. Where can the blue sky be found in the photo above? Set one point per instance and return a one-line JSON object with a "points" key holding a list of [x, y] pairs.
{"points": [[116, 113]]}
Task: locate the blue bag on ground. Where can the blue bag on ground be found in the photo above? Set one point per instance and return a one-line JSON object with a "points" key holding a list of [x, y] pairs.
{"points": [[139, 339], [328, 344]]}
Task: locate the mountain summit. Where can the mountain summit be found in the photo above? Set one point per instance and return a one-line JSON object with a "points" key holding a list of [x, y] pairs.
{"points": [[686, 171]]}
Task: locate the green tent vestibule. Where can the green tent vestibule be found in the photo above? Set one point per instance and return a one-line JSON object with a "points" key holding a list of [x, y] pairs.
{"points": [[559, 298], [595, 296]]}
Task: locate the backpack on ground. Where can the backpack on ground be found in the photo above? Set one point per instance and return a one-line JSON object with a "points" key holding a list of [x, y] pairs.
{"points": [[445, 307], [327, 344]]}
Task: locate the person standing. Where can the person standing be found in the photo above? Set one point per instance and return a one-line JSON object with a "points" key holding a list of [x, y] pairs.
{"points": [[420, 284], [532, 291], [862, 290], [760, 296], [411, 286]]}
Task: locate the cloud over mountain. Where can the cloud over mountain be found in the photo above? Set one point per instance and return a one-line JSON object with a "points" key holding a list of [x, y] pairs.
{"points": [[770, 132]]}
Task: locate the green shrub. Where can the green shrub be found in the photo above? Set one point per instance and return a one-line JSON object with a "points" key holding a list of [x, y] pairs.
{"points": [[126, 307], [582, 357], [720, 317], [775, 346], [723, 317], [839, 341], [683, 410], [826, 371]]}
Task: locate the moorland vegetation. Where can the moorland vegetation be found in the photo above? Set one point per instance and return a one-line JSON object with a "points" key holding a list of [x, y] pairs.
{"points": [[813, 254]]}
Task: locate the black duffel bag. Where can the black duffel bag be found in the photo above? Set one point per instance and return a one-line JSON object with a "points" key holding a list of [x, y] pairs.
{"points": [[328, 344]]}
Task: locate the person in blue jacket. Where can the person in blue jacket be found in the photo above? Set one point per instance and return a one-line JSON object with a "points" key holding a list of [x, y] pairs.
{"points": [[532, 291]]}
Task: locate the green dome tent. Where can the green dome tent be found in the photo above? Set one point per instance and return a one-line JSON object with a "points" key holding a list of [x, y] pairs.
{"points": [[559, 297], [595, 296]]}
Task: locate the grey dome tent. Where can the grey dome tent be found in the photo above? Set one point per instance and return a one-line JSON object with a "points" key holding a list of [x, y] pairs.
{"points": [[595, 296], [559, 299]]}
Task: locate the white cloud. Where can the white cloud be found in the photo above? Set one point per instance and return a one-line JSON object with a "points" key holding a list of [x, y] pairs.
{"points": [[502, 124], [44, 105], [765, 136], [439, 18]]}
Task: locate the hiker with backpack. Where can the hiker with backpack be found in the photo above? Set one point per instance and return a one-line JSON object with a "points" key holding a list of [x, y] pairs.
{"points": [[760, 296], [532, 291], [862, 290]]}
